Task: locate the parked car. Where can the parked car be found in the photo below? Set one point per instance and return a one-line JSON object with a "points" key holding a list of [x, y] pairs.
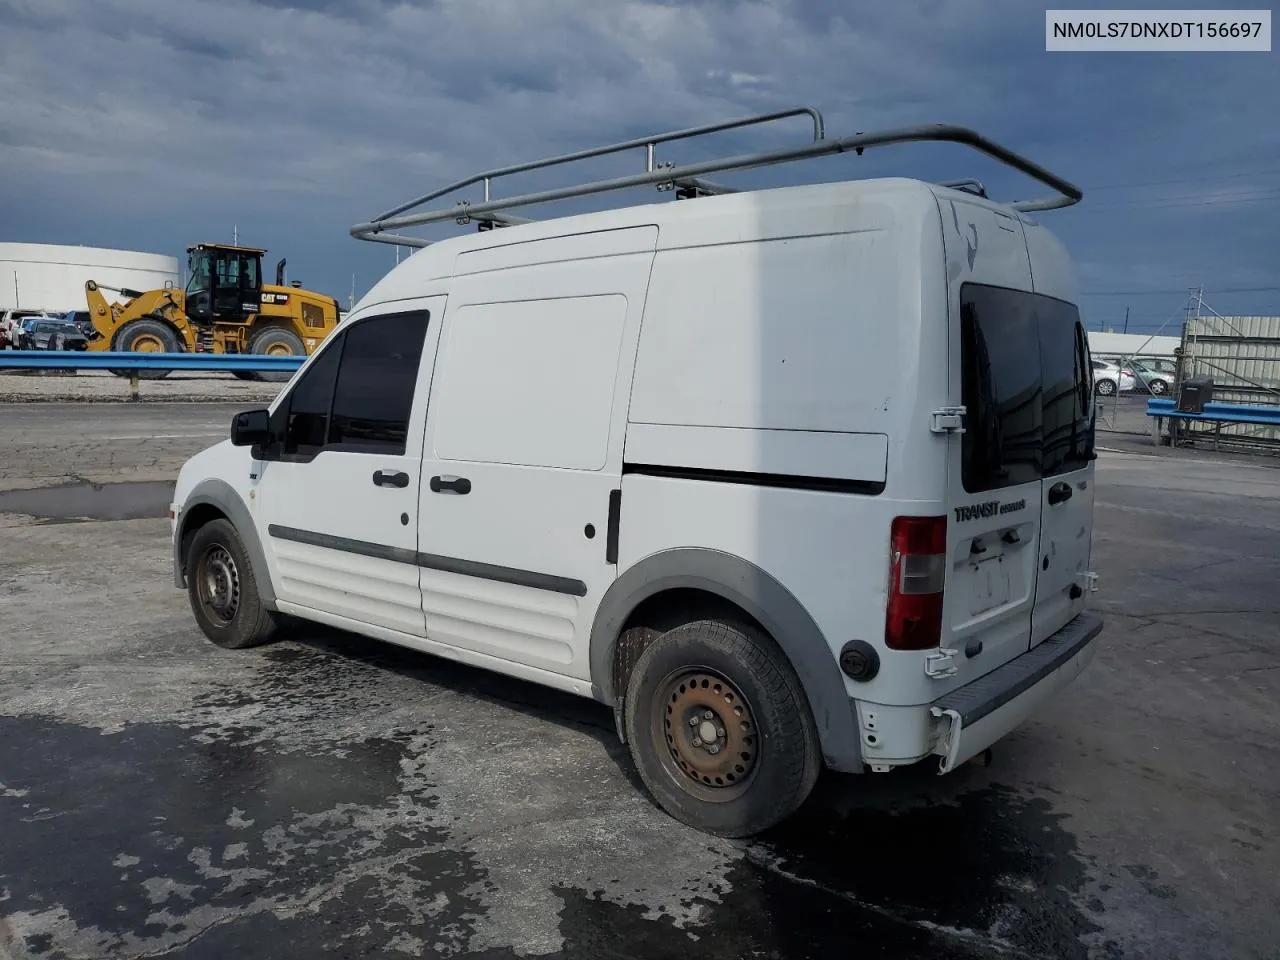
{"points": [[11, 325], [82, 320], [1154, 381], [1159, 364], [45, 333], [1108, 378], [767, 513]]}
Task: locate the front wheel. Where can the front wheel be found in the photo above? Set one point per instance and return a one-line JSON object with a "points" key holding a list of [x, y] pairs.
{"points": [[147, 335], [1106, 388], [1159, 387], [222, 589], [720, 728], [276, 342]]}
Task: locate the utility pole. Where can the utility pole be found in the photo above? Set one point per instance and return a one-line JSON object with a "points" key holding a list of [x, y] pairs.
{"points": [[351, 300], [1126, 319], [235, 235]]}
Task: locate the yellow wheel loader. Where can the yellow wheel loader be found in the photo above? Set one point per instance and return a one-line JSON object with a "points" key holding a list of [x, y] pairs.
{"points": [[225, 308]]}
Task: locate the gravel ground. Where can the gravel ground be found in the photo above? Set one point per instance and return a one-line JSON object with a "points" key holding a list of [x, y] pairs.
{"points": [[94, 387]]}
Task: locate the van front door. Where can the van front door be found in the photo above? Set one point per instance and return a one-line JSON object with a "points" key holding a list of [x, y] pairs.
{"points": [[337, 494]]}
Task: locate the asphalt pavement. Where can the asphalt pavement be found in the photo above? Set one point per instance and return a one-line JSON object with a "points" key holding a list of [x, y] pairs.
{"points": [[333, 796]]}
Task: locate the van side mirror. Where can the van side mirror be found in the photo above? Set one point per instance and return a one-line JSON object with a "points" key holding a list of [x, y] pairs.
{"points": [[250, 428]]}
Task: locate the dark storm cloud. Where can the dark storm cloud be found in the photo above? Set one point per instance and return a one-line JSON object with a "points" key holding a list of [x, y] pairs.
{"points": [[291, 119], [359, 10]]}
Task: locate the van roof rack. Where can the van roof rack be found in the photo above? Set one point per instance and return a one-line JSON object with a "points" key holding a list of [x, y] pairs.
{"points": [[686, 180]]}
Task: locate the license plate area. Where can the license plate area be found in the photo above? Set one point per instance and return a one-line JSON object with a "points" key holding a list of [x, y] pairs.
{"points": [[990, 584]]}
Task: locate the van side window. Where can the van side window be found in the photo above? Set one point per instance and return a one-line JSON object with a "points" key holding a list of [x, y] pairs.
{"points": [[1062, 369], [357, 395], [373, 395], [307, 420], [1026, 385]]}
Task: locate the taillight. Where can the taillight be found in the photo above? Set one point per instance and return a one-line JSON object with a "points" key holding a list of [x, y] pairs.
{"points": [[917, 570]]}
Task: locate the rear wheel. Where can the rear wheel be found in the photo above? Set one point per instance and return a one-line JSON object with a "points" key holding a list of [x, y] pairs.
{"points": [[222, 589], [148, 335], [276, 342], [720, 728]]}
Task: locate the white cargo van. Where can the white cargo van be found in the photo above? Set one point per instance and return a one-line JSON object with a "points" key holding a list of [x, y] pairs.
{"points": [[788, 478]]}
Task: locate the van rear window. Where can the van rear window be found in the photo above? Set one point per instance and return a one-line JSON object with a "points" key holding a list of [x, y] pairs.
{"points": [[1026, 387]]}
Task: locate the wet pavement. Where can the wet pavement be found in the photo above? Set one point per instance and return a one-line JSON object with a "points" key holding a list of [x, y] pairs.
{"points": [[330, 796], [83, 500]]}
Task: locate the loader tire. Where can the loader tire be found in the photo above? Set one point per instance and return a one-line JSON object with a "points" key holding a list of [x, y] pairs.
{"points": [[148, 335], [276, 341]]}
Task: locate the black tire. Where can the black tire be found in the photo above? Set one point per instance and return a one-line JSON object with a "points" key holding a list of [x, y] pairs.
{"points": [[1158, 387], [222, 589], [280, 339], [148, 330], [760, 719], [1106, 388]]}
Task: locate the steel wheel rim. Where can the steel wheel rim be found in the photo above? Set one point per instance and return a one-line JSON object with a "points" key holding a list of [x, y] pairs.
{"points": [[218, 585], [279, 350], [146, 343], [719, 769]]}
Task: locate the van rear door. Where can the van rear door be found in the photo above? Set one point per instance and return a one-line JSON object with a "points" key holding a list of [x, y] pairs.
{"points": [[995, 490], [1066, 514], [993, 473], [1022, 510]]}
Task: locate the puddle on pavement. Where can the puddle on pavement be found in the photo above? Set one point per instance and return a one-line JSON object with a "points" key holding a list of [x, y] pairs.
{"points": [[989, 873], [215, 841], [70, 502], [242, 848], [140, 841]]}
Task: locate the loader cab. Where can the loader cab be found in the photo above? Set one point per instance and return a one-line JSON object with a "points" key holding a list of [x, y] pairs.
{"points": [[225, 283]]}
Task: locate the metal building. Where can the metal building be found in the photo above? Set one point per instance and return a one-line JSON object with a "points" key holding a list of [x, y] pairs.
{"points": [[43, 276]]}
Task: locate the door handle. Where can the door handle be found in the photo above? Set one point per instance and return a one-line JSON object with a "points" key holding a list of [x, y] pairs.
{"points": [[1059, 493], [459, 485], [390, 478]]}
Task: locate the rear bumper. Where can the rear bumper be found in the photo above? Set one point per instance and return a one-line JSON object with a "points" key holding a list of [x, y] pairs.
{"points": [[978, 714]]}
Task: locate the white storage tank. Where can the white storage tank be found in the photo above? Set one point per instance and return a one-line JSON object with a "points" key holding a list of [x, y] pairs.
{"points": [[45, 276], [1131, 345]]}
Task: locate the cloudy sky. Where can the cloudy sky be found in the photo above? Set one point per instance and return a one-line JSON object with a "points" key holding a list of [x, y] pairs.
{"points": [[151, 124]]}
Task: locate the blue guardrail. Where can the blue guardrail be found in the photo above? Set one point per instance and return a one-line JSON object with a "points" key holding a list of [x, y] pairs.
{"points": [[87, 360], [1217, 412]]}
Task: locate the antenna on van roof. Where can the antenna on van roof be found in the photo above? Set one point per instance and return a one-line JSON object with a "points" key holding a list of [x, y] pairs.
{"points": [[687, 180]]}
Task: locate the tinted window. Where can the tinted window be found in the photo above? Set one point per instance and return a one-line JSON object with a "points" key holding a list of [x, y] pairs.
{"points": [[1063, 362], [307, 416], [1026, 388], [374, 392]]}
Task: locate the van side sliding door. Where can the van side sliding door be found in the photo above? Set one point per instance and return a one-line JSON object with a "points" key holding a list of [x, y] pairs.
{"points": [[524, 444]]}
